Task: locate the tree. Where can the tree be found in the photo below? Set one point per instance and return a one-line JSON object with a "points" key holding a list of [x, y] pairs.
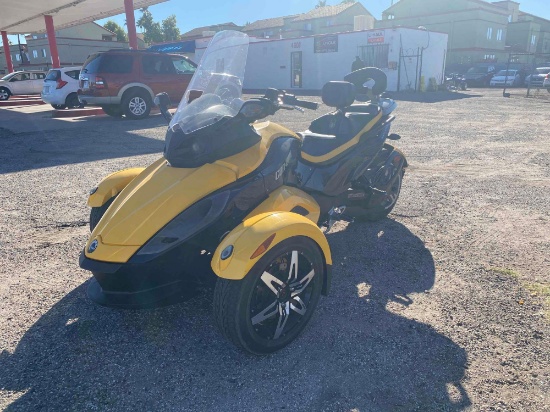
{"points": [[321, 3], [170, 29], [152, 29], [117, 29]]}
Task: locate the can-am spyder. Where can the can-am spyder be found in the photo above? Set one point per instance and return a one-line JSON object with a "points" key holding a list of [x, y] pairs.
{"points": [[248, 197]]}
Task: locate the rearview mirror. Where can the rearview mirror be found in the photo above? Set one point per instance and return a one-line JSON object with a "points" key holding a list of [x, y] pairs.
{"points": [[162, 100]]}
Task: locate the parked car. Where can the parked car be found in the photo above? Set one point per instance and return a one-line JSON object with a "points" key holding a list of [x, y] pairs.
{"points": [[536, 79], [125, 82], [546, 83], [506, 78], [60, 88], [480, 75], [18, 83]]}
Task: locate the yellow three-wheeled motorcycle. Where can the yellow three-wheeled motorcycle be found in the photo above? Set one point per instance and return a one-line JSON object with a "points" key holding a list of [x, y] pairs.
{"points": [[247, 198]]}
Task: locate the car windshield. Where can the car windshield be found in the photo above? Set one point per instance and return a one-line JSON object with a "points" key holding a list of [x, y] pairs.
{"points": [[506, 73], [216, 87], [8, 76]]}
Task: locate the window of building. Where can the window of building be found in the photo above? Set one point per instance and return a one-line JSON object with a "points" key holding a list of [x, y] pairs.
{"points": [[329, 22], [375, 55], [34, 54], [510, 18], [18, 57], [489, 33], [106, 37], [533, 39], [307, 26], [391, 16], [44, 54], [499, 34]]}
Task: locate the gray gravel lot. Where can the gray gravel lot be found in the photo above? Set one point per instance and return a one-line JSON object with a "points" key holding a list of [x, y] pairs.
{"points": [[443, 306]]}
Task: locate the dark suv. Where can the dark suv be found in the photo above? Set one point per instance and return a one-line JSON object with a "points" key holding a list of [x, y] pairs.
{"points": [[125, 82]]}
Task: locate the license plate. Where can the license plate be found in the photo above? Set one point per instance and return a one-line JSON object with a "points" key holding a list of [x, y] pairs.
{"points": [[86, 85]]}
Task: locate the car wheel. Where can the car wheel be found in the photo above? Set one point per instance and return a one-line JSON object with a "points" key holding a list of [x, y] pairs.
{"points": [[58, 106], [136, 105], [72, 101], [112, 110], [4, 93], [272, 305]]}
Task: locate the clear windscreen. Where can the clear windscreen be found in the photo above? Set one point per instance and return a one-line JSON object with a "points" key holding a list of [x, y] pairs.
{"points": [[215, 91]]}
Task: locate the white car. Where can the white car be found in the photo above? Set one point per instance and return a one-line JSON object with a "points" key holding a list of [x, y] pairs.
{"points": [[536, 79], [60, 88], [506, 78], [18, 83]]}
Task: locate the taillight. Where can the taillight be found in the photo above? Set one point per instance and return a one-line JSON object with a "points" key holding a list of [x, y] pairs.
{"points": [[548, 76], [100, 83], [60, 84]]}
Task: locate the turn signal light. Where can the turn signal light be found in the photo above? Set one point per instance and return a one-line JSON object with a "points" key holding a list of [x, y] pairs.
{"points": [[60, 84], [263, 247]]}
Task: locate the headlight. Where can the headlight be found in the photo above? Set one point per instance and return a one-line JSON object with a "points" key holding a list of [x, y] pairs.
{"points": [[186, 224]]}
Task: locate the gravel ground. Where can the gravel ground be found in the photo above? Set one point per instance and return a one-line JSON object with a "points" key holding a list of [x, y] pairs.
{"points": [[443, 306]]}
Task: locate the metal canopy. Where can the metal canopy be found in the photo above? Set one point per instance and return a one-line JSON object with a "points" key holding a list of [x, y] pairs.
{"points": [[22, 17]]}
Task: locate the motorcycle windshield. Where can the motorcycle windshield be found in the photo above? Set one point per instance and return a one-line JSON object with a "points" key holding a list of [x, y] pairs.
{"points": [[215, 90]]}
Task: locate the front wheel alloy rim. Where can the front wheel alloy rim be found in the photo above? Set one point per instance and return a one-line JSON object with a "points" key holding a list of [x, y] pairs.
{"points": [[4, 95], [282, 295], [137, 106]]}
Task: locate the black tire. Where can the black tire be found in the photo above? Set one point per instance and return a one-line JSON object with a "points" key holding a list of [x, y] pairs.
{"points": [[235, 301], [112, 110], [4, 93], [58, 106], [136, 104], [387, 203], [72, 101], [97, 213]]}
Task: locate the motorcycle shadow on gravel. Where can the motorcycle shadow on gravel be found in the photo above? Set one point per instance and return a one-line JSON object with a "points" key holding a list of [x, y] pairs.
{"points": [[356, 353]]}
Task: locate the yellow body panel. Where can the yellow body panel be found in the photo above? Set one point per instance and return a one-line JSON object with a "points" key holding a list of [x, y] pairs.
{"points": [[250, 234], [344, 147], [161, 192], [286, 198], [112, 185]]}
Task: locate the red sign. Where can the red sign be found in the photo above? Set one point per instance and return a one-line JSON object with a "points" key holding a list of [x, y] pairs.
{"points": [[377, 36]]}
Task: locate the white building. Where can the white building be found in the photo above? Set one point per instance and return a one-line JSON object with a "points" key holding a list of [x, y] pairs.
{"points": [[409, 57]]}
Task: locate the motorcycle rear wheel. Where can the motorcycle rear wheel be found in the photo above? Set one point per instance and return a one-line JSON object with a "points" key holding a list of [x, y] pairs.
{"points": [[386, 204]]}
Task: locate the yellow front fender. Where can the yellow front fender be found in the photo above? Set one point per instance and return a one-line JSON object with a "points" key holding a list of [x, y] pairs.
{"points": [[252, 232], [112, 185]]}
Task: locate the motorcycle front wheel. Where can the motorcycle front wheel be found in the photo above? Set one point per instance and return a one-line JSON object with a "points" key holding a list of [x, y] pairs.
{"points": [[272, 305]]}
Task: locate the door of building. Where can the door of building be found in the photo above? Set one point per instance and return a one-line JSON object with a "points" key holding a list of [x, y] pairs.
{"points": [[296, 69]]}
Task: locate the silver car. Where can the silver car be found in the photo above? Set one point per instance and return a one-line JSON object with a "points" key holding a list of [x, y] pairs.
{"points": [[21, 83], [536, 80]]}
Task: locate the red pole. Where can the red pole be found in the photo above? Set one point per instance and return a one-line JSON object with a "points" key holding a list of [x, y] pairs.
{"points": [[53, 43], [131, 23], [7, 51]]}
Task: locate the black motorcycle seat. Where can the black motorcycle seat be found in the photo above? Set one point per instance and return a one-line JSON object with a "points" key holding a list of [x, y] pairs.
{"points": [[334, 133]]}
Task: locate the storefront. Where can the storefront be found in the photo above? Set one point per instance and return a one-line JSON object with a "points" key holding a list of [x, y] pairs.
{"points": [[410, 57]]}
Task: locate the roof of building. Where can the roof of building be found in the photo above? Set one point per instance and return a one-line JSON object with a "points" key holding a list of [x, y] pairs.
{"points": [[326, 11], [267, 23], [197, 32]]}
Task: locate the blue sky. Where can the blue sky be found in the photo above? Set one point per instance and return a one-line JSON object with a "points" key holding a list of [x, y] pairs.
{"points": [[191, 14]]}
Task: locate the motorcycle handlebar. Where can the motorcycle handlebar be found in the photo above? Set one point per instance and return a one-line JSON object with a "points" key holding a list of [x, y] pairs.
{"points": [[306, 105], [292, 100]]}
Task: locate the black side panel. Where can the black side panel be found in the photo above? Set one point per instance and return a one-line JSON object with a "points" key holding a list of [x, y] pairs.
{"points": [[335, 178]]}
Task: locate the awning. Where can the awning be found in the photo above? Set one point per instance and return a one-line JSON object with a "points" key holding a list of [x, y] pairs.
{"points": [[176, 47], [22, 17]]}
